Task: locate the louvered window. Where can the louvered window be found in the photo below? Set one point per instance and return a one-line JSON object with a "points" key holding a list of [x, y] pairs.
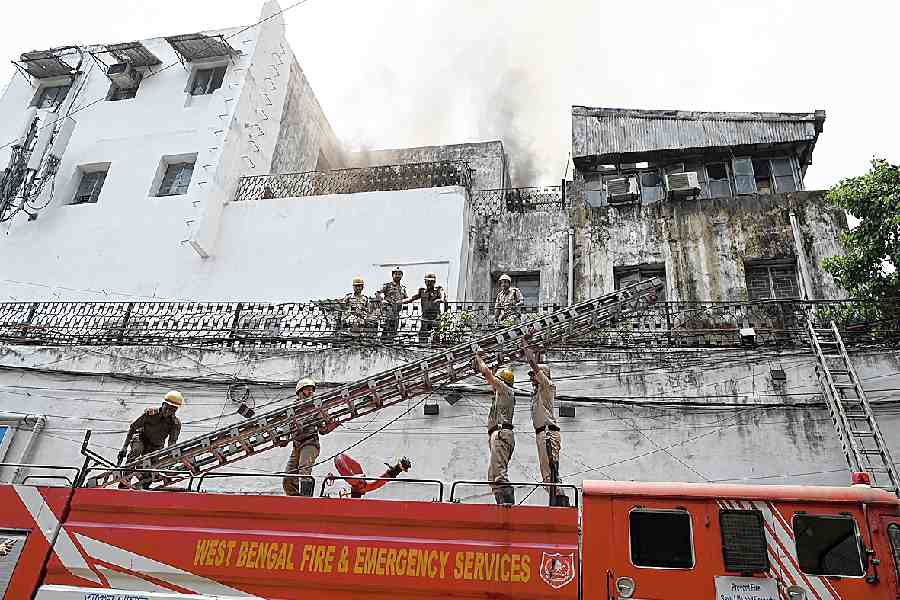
{"points": [[772, 281], [176, 179], [89, 187], [743, 541]]}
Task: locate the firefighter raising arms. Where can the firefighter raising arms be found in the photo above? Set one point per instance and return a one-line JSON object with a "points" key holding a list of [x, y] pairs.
{"points": [[501, 439]]}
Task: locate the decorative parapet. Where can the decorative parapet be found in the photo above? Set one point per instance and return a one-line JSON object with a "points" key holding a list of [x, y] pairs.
{"points": [[518, 200], [325, 324], [351, 181]]}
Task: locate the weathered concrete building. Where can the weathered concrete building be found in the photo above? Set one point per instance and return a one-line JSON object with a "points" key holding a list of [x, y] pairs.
{"points": [[261, 227]]}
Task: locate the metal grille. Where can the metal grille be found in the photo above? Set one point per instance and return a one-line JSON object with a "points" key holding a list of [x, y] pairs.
{"points": [[350, 181], [45, 63], [772, 282], [517, 200], [134, 53], [196, 46], [743, 541]]}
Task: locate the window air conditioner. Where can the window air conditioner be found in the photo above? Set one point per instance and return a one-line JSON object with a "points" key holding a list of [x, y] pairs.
{"points": [[122, 75], [621, 190], [682, 184]]}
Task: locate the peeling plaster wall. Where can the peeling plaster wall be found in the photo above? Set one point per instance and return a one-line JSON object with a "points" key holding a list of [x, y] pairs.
{"points": [[488, 160], [775, 434], [305, 133]]}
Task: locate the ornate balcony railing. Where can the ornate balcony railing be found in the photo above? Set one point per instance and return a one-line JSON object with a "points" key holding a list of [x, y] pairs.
{"points": [[325, 323], [350, 181], [518, 200]]}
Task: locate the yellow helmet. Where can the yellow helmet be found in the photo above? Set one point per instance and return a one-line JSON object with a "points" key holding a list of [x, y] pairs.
{"points": [[358, 280], [430, 277], [304, 383], [174, 398], [506, 375]]}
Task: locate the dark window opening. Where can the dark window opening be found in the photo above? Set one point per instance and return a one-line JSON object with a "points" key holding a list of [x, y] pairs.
{"points": [[51, 97], [783, 174], [775, 281], [763, 176], [828, 545], [176, 179], [117, 93], [651, 188], [717, 177], [89, 187], [529, 283], [207, 81], [625, 276], [661, 539], [894, 533], [743, 541]]}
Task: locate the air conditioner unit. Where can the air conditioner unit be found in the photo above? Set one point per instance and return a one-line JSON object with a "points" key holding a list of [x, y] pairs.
{"points": [[682, 184], [123, 75], [621, 190]]}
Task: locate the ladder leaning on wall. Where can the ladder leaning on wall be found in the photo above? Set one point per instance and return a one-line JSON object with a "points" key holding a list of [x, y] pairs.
{"points": [[854, 421], [420, 377]]}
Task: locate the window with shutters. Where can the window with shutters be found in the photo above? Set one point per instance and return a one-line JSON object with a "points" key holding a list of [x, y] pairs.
{"points": [[828, 545], [528, 282], [744, 182], [207, 81], [783, 174], [51, 96], [772, 280], [176, 179], [717, 180], [744, 546], [625, 276], [661, 539], [89, 187], [651, 187]]}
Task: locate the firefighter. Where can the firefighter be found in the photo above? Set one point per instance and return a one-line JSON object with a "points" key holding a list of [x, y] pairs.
{"points": [[546, 429], [501, 439], [431, 297], [393, 293], [509, 300], [306, 446], [151, 431]]}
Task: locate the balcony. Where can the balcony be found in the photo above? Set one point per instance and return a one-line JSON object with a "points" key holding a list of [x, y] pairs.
{"points": [[320, 324], [351, 181]]}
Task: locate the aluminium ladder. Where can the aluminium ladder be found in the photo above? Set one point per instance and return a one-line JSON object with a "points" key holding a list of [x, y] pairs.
{"points": [[851, 412], [417, 378]]}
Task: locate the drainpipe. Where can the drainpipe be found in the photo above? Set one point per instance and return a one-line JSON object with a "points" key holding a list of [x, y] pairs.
{"points": [[40, 421], [571, 295], [805, 279]]}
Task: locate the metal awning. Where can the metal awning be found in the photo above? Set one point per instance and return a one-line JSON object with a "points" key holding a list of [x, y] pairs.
{"points": [[42, 64], [134, 53], [196, 46]]}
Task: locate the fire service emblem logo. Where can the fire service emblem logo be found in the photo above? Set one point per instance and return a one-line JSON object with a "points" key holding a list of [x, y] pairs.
{"points": [[557, 570]]}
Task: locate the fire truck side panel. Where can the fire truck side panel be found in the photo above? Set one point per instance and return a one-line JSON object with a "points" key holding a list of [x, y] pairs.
{"points": [[684, 571], [287, 548], [29, 517]]}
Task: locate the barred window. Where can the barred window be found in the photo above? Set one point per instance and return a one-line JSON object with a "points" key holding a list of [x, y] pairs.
{"points": [[772, 281], [89, 187], [176, 179], [743, 541]]}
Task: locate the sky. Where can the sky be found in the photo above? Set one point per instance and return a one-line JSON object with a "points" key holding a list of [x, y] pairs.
{"points": [[398, 73]]}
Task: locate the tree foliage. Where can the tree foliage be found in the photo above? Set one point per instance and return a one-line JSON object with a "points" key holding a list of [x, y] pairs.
{"points": [[869, 269]]}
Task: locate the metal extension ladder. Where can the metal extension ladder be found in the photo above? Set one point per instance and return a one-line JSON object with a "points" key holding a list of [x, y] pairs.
{"points": [[263, 432], [851, 413]]}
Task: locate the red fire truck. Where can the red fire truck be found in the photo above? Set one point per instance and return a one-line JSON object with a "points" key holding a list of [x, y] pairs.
{"points": [[648, 541]]}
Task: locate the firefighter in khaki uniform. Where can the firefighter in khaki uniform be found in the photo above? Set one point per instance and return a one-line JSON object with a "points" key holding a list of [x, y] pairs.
{"points": [[392, 293], [501, 439], [431, 297], [546, 429], [151, 431], [306, 447]]}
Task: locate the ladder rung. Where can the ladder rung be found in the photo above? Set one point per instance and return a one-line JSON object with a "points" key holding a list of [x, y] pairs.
{"points": [[864, 433], [871, 452]]}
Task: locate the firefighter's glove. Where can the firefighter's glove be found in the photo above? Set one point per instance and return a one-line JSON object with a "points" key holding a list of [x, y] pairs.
{"points": [[328, 427], [122, 455], [401, 466]]}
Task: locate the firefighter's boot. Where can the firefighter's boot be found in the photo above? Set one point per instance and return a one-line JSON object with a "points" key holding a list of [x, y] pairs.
{"points": [[559, 500], [307, 486], [505, 496]]}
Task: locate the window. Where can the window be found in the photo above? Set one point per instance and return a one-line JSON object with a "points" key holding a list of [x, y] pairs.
{"points": [[743, 541], [772, 281], [625, 276], [206, 81], [894, 534], [784, 175], [717, 176], [89, 187], [176, 179], [6, 433], [744, 182], [828, 545], [11, 544], [651, 188], [125, 92], [52, 96], [529, 283], [762, 174], [661, 538]]}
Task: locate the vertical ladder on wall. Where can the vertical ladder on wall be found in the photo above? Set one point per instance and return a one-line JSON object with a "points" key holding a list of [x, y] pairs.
{"points": [[851, 412]]}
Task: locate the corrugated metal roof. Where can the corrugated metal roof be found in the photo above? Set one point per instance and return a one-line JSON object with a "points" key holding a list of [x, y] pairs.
{"points": [[608, 132]]}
